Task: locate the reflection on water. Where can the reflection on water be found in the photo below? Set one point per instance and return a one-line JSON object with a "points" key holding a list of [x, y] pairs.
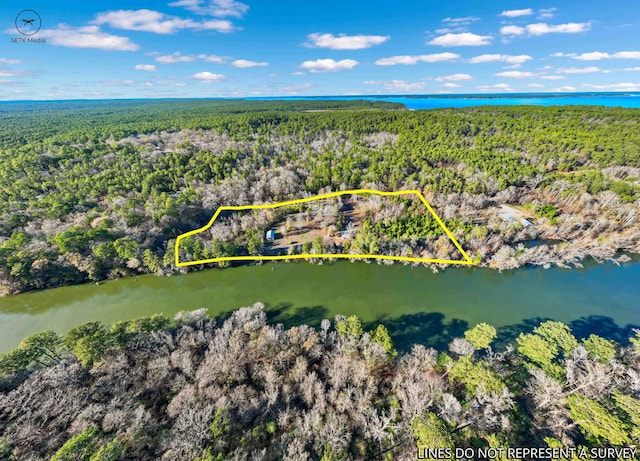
{"points": [[415, 303]]}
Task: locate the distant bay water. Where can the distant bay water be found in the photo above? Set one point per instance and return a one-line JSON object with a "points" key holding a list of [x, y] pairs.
{"points": [[416, 102]]}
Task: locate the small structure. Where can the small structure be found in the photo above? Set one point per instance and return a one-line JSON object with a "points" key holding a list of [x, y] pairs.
{"points": [[513, 215], [271, 235]]}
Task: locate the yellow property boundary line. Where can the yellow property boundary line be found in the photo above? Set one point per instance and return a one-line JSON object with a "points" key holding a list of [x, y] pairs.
{"points": [[467, 260]]}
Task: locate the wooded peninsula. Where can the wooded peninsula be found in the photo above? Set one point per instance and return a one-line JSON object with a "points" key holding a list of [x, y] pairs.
{"points": [[99, 190]]}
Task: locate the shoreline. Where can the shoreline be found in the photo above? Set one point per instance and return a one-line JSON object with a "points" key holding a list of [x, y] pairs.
{"points": [[621, 258]]}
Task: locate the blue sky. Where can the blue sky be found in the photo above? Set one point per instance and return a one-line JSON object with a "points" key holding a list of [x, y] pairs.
{"points": [[228, 48]]}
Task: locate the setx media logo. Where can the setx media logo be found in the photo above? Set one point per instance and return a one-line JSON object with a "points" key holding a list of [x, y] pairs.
{"points": [[28, 22]]}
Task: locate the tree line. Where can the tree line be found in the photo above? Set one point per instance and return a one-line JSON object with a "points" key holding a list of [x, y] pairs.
{"points": [[95, 190], [240, 387]]}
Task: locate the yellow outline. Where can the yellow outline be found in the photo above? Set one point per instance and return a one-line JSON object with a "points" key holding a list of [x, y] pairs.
{"points": [[332, 256]]}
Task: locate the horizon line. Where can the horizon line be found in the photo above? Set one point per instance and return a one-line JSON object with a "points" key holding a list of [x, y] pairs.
{"points": [[333, 96]]}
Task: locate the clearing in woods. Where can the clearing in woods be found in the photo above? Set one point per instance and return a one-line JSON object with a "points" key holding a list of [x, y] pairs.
{"points": [[284, 241]]}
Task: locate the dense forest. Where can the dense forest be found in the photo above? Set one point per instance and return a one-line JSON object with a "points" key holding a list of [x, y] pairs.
{"points": [[97, 190], [240, 388]]}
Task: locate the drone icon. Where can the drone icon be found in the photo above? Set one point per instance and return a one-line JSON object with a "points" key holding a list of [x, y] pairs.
{"points": [[28, 22]]}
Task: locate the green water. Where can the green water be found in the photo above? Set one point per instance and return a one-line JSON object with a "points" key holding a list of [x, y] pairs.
{"points": [[416, 304]]}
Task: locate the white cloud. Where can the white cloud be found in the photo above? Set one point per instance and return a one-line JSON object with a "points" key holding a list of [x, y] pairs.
{"points": [[175, 58], [579, 70], [456, 25], [178, 57], [211, 58], [616, 86], [632, 69], [542, 28], [546, 13], [627, 55], [345, 42], [439, 57], [393, 60], [496, 87], [153, 21], [451, 85], [565, 88], [515, 74], [10, 61], [172, 83], [515, 60], [454, 78], [517, 13], [245, 63], [594, 56], [461, 21], [295, 89], [552, 77], [398, 85], [217, 8], [512, 30], [4, 82], [402, 85], [11, 73], [463, 39], [328, 65], [411, 60], [598, 55], [535, 85], [87, 37], [208, 77], [145, 67], [127, 82]]}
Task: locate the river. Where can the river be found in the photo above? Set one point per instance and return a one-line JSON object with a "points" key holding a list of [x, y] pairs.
{"points": [[415, 304]]}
